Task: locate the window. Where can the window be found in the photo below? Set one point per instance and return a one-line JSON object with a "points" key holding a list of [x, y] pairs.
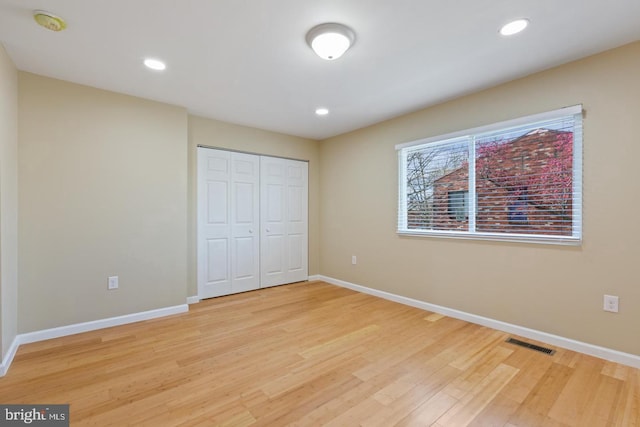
{"points": [[458, 205], [518, 180], [517, 210]]}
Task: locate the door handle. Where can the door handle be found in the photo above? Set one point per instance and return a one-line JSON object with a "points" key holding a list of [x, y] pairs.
{"points": [[268, 230]]}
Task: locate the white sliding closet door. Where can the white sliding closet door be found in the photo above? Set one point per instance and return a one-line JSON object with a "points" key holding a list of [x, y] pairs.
{"points": [[228, 222], [284, 221]]}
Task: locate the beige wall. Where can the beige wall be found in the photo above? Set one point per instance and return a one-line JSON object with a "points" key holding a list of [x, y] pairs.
{"points": [[102, 191], [556, 289], [218, 134], [8, 201]]}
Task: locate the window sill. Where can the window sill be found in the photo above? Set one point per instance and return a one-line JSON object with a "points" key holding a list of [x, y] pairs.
{"points": [[511, 238]]}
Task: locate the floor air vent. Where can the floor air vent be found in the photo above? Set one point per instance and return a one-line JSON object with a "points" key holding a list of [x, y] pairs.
{"points": [[531, 346]]}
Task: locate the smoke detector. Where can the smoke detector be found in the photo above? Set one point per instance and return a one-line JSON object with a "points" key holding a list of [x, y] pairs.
{"points": [[49, 20]]}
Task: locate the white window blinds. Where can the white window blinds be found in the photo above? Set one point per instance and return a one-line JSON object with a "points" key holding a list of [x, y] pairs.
{"points": [[517, 180]]}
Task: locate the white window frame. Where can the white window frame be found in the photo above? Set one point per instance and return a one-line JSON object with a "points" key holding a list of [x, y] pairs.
{"points": [[471, 233]]}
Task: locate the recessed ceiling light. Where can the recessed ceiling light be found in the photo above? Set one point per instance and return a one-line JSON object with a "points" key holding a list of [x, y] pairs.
{"points": [[322, 111], [514, 27], [329, 41], [155, 64]]}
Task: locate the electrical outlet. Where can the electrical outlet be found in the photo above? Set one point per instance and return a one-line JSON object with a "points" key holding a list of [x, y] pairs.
{"points": [[611, 303], [112, 283], [354, 260]]}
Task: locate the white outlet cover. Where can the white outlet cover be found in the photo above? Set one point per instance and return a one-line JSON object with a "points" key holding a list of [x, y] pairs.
{"points": [[112, 282], [611, 303]]}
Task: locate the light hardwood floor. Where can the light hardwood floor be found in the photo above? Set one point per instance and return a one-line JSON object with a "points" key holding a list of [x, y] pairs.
{"points": [[313, 354]]}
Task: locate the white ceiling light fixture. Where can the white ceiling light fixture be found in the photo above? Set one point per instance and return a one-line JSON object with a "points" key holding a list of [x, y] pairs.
{"points": [[514, 27], [155, 64], [329, 41], [322, 111]]}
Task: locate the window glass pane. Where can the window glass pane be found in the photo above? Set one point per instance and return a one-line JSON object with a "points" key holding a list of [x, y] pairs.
{"points": [[433, 172], [524, 180]]}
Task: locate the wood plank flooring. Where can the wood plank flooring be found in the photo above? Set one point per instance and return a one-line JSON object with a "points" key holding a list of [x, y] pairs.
{"points": [[313, 354]]}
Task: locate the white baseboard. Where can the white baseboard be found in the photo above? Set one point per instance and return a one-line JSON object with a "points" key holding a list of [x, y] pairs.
{"points": [[77, 328], [8, 358], [582, 347], [314, 277]]}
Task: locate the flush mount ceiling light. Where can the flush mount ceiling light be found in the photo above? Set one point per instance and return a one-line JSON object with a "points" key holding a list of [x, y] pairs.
{"points": [[329, 41], [514, 27], [322, 111], [155, 64], [49, 20]]}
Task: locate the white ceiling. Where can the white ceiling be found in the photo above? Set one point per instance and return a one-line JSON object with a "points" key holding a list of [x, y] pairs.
{"points": [[247, 62]]}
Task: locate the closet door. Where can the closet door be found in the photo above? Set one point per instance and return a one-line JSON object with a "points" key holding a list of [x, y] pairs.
{"points": [[228, 222], [284, 224]]}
